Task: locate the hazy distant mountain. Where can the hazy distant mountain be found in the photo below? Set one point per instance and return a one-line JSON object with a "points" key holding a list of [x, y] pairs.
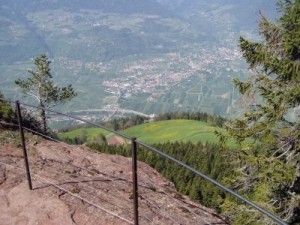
{"points": [[29, 27], [244, 9], [93, 42], [218, 15], [110, 6], [68, 27]]}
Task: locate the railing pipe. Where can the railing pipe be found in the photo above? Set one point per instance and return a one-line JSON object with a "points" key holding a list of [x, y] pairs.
{"points": [[83, 120], [135, 181], [23, 144]]}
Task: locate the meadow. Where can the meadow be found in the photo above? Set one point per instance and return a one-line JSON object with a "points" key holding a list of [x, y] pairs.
{"points": [[174, 130], [89, 132], [159, 132]]}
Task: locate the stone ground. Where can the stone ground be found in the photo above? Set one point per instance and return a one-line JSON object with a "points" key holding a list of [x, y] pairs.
{"points": [[73, 185]]}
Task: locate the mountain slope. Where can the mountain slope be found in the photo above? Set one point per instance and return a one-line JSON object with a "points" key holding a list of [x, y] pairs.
{"points": [[220, 18], [110, 29], [75, 186], [135, 54], [110, 6], [69, 28]]}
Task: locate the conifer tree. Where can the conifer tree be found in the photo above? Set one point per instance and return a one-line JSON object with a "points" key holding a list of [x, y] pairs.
{"points": [[41, 87], [270, 174]]}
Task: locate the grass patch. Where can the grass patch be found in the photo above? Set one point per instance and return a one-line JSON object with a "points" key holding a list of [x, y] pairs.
{"points": [[175, 130], [160, 132], [89, 132]]}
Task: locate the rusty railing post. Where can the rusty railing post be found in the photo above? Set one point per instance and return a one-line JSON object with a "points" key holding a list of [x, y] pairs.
{"points": [[23, 144], [135, 181]]}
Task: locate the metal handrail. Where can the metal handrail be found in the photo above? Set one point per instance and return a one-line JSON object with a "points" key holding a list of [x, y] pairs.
{"points": [[82, 120], [134, 141]]}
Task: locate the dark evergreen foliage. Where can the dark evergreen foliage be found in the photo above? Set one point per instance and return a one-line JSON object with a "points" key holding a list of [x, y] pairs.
{"points": [[214, 120], [269, 174]]}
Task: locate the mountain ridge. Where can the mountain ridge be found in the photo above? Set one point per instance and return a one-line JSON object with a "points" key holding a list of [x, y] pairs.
{"points": [[110, 6]]}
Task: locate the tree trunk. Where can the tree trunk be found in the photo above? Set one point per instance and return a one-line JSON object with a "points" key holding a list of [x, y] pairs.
{"points": [[43, 117]]}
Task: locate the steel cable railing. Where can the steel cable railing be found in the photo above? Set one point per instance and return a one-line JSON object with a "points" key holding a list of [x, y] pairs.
{"points": [[136, 142], [80, 119], [35, 176], [116, 179], [92, 193], [68, 180]]}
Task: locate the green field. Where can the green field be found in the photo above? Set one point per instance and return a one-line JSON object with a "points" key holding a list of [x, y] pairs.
{"points": [[90, 132], [159, 132], [174, 130]]}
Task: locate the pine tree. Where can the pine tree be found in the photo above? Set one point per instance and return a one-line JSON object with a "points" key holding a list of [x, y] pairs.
{"points": [[270, 175], [41, 87]]}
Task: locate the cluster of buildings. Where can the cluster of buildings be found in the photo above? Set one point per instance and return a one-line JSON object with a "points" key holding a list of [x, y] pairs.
{"points": [[160, 74]]}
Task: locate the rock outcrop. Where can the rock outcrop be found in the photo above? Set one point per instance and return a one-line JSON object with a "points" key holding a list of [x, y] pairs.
{"points": [[73, 185]]}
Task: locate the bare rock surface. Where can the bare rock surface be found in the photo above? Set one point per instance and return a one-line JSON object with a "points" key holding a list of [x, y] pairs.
{"points": [[73, 185]]}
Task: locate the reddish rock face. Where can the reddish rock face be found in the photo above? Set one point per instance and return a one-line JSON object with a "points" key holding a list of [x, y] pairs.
{"points": [[73, 185]]}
